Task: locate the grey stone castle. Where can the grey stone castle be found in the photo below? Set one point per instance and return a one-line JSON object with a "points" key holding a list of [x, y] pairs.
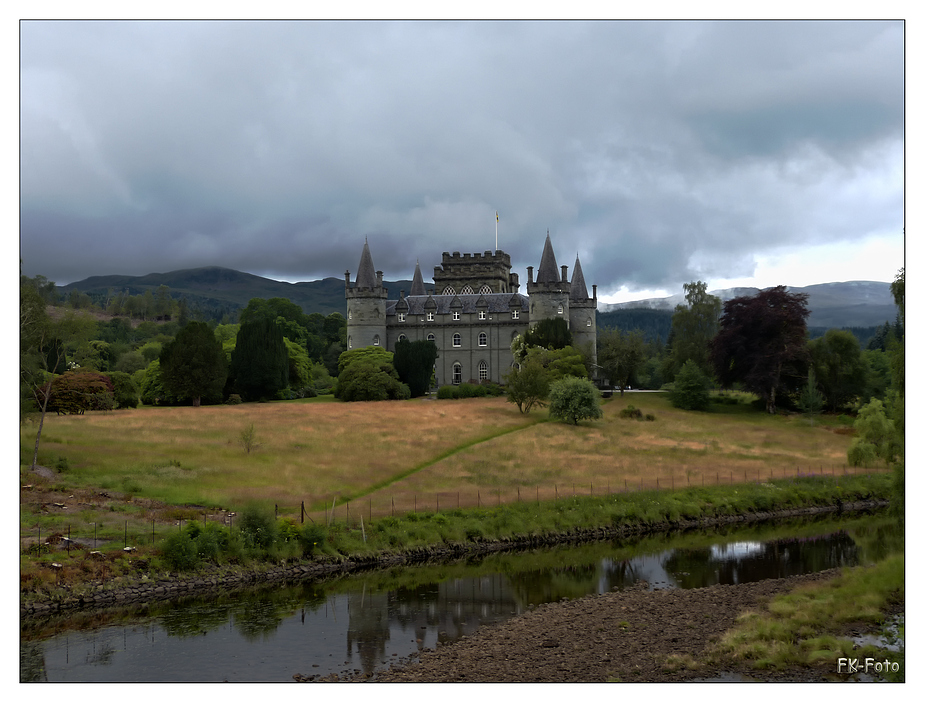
{"points": [[472, 313]]}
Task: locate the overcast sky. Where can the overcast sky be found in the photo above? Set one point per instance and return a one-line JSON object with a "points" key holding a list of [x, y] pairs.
{"points": [[739, 153]]}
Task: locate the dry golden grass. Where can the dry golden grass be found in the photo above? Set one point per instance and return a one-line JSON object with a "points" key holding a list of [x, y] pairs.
{"points": [[417, 452]]}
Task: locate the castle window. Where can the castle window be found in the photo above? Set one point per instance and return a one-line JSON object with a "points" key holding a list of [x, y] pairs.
{"points": [[449, 290], [349, 342], [515, 314], [401, 317], [482, 314], [483, 339], [588, 323], [431, 338], [430, 317], [560, 309], [457, 373], [349, 315], [467, 290], [401, 338], [455, 315], [485, 290], [457, 340], [376, 341], [483, 371]]}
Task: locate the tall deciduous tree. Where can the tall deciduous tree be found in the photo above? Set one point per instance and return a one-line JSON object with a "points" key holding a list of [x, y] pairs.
{"points": [[762, 343], [693, 326], [840, 369], [260, 360], [620, 355], [193, 364]]}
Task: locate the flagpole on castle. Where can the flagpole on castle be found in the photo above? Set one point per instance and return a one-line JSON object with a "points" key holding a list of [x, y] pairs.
{"points": [[496, 230]]}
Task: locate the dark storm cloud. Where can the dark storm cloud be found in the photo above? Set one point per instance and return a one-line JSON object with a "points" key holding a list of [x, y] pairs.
{"points": [[658, 151]]}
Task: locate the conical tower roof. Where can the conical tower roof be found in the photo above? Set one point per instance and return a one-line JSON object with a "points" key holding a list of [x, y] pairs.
{"points": [[548, 271], [578, 291], [366, 273], [417, 283]]}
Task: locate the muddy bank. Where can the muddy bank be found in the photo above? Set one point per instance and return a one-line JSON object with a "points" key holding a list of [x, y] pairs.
{"points": [[214, 581]]}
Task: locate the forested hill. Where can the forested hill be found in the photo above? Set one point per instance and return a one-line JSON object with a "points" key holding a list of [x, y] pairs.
{"points": [[217, 291]]}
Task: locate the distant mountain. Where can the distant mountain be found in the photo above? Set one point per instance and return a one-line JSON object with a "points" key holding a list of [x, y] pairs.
{"points": [[847, 304], [216, 288]]}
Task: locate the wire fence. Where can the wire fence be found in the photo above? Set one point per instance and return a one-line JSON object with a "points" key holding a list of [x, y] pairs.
{"points": [[90, 535]]}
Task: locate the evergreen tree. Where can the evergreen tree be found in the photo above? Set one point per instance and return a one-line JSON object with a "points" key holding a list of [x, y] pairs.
{"points": [[691, 388], [193, 364], [551, 333], [260, 360], [414, 362]]}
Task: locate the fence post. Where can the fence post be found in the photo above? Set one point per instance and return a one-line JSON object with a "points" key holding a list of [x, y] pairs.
{"points": [[302, 513]]}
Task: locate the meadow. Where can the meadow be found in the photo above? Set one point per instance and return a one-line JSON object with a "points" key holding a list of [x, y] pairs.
{"points": [[393, 457]]}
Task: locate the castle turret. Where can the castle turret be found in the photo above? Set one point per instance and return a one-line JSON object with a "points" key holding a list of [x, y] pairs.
{"points": [[549, 293], [366, 305], [583, 314]]}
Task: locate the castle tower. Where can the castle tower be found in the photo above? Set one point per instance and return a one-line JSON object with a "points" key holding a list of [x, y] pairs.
{"points": [[366, 305], [583, 314], [549, 294]]}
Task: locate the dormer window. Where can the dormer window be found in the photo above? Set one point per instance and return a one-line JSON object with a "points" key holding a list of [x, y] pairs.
{"points": [[455, 315], [515, 314], [401, 317], [482, 314], [430, 317], [467, 290]]}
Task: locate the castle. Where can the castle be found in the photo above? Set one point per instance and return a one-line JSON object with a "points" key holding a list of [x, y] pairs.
{"points": [[472, 313]]}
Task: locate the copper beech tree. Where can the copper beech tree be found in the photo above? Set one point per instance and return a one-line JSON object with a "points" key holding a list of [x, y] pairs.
{"points": [[761, 344]]}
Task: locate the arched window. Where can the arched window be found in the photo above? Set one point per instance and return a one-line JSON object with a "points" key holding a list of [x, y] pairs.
{"points": [[376, 341], [457, 373], [483, 370], [449, 290], [349, 342], [401, 338], [485, 290], [467, 290], [560, 309], [483, 339], [431, 338], [588, 323], [457, 340]]}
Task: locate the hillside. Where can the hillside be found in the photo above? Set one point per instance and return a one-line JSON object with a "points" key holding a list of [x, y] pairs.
{"points": [[220, 290]]}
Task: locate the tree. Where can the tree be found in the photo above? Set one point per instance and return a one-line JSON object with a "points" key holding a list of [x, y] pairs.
{"points": [[550, 333], [527, 385], [574, 399], [260, 360], [124, 390], [875, 436], [620, 355], [839, 367], [193, 364], [367, 373], [414, 363], [761, 344], [692, 327], [691, 388], [75, 392], [811, 398]]}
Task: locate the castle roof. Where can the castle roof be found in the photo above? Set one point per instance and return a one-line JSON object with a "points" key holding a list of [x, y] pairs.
{"points": [[366, 273], [579, 291], [441, 304], [417, 283], [548, 271]]}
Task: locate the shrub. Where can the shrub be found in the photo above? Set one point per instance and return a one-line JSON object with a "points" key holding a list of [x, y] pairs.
{"points": [[446, 393], [179, 551], [631, 412], [125, 393], [691, 388], [573, 399], [312, 537], [234, 399], [78, 391], [258, 527]]}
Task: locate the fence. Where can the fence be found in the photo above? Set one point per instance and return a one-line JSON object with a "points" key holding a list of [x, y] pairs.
{"points": [[88, 535]]}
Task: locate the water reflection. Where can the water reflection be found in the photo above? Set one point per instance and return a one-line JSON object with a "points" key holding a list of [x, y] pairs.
{"points": [[362, 624]]}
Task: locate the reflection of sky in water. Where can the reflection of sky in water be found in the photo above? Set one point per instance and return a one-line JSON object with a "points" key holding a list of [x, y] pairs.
{"points": [[736, 550], [254, 637]]}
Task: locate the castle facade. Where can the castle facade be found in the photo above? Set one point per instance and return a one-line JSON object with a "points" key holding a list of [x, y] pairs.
{"points": [[473, 311]]}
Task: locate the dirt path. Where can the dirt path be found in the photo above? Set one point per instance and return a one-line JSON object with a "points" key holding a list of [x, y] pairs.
{"points": [[635, 635]]}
